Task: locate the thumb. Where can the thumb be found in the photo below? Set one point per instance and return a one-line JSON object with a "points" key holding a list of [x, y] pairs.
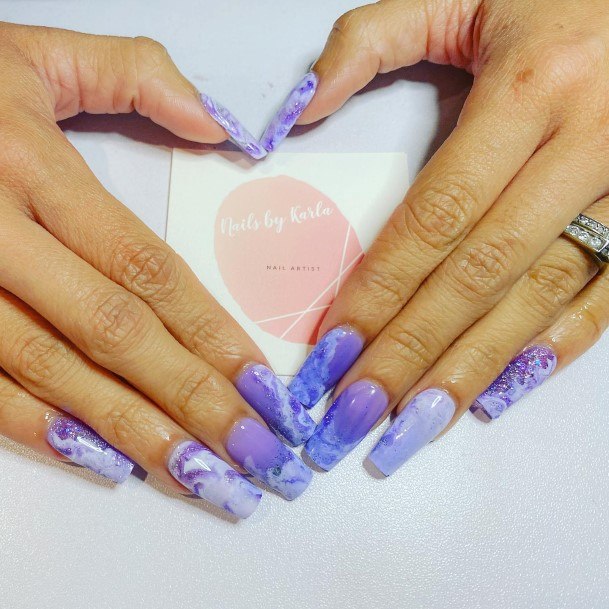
{"points": [[382, 37], [111, 74]]}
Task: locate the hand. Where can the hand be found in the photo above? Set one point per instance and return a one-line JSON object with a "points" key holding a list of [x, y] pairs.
{"points": [[471, 268], [101, 322]]}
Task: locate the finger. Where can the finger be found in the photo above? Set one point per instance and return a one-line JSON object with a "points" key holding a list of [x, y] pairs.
{"points": [[382, 37], [51, 369], [495, 138], [119, 245], [25, 419], [550, 291], [119, 332], [471, 281], [111, 74]]}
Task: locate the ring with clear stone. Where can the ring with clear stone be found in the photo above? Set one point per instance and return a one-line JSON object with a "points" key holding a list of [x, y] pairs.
{"points": [[590, 235]]}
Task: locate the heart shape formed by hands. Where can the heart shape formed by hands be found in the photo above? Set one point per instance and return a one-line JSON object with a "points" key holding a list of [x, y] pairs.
{"points": [[277, 129]]}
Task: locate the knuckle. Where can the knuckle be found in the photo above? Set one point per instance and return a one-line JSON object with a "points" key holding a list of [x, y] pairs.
{"points": [[116, 321], [123, 421], [408, 347], [194, 394], [553, 285], [442, 214], [149, 54], [209, 334], [480, 356], [483, 269], [354, 23], [21, 160], [149, 270], [382, 281], [41, 360]]}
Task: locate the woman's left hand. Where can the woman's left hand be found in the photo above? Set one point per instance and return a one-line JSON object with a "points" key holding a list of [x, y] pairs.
{"points": [[471, 268]]}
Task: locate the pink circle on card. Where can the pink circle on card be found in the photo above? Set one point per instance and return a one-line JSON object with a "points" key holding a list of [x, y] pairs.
{"points": [[284, 249]]}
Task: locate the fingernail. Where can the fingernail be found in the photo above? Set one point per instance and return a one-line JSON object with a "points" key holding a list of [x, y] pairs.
{"points": [[419, 423], [206, 475], [260, 453], [349, 419], [82, 445], [333, 355], [286, 117], [523, 374], [274, 402], [239, 135]]}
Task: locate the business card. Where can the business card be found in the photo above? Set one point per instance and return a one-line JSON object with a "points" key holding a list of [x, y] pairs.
{"points": [[274, 241]]}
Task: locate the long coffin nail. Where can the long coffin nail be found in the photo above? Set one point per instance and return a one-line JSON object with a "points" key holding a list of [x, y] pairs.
{"points": [[206, 475], [333, 355], [523, 374], [260, 453], [419, 423], [274, 402], [239, 135], [82, 445], [349, 419], [286, 117]]}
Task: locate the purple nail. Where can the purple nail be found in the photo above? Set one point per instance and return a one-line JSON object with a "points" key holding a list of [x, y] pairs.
{"points": [[258, 451], [349, 419], [82, 445], [333, 355], [419, 423], [272, 400], [206, 475], [286, 117], [523, 374], [239, 135]]}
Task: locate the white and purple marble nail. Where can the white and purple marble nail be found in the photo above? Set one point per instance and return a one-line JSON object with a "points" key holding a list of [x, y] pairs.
{"points": [[345, 425], [523, 374], [260, 453], [286, 117], [238, 134], [206, 475], [82, 445], [333, 355], [274, 402], [425, 416]]}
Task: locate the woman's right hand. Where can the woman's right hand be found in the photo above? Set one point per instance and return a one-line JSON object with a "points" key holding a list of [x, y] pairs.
{"points": [[101, 322]]}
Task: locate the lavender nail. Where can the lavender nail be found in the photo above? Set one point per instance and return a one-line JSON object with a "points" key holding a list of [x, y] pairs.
{"points": [[267, 459], [418, 424], [333, 355], [286, 117], [272, 400], [82, 445], [349, 419], [206, 475], [523, 374], [239, 135]]}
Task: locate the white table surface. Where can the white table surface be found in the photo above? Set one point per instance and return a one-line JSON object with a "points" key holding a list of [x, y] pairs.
{"points": [[511, 514]]}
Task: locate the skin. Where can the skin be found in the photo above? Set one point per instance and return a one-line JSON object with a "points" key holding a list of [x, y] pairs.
{"points": [[98, 316], [471, 267]]}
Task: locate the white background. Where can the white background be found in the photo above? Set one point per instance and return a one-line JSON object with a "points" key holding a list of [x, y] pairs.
{"points": [[504, 515]]}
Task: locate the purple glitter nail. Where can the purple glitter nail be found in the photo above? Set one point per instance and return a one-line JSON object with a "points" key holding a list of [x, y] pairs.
{"points": [[82, 445], [523, 374], [267, 459], [349, 419], [419, 423], [272, 400], [286, 117], [333, 355], [239, 135], [206, 475]]}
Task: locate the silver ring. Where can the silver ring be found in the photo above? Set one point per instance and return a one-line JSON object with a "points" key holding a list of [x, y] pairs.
{"points": [[590, 235]]}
